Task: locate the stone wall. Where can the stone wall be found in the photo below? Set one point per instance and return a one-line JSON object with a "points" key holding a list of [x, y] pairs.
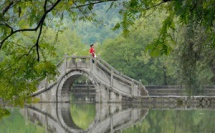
{"points": [[176, 90]]}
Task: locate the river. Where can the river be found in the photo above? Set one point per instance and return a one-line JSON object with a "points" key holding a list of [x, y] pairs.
{"points": [[107, 118]]}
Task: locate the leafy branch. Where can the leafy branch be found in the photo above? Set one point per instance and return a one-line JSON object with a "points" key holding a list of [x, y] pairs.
{"points": [[94, 3], [39, 26]]}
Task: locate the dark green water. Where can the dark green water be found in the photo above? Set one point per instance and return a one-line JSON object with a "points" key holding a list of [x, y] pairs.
{"points": [[79, 117]]}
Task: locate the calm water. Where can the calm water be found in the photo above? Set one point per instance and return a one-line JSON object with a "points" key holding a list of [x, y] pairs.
{"points": [[105, 118]]}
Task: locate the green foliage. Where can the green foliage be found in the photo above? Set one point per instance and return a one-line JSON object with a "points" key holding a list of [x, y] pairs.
{"points": [[129, 54], [101, 28], [161, 45], [63, 43], [196, 59], [186, 12], [21, 73], [191, 67]]}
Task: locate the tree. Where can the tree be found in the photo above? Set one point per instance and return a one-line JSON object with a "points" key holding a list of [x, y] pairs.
{"points": [[188, 64], [129, 53], [196, 59]]}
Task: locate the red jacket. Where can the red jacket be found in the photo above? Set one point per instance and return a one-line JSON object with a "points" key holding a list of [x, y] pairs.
{"points": [[92, 51]]}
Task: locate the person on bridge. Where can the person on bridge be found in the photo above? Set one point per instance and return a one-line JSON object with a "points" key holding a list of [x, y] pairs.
{"points": [[92, 51]]}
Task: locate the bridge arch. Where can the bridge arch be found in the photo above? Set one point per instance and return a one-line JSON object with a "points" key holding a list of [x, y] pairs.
{"points": [[64, 86]]}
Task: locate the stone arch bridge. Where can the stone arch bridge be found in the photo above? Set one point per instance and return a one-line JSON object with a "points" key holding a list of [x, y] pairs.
{"points": [[110, 84]]}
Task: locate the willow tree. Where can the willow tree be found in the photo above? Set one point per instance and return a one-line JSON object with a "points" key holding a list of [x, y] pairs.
{"points": [[23, 63]]}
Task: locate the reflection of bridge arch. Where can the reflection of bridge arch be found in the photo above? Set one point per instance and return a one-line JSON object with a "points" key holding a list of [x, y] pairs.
{"points": [[64, 86], [111, 85], [57, 118], [65, 119]]}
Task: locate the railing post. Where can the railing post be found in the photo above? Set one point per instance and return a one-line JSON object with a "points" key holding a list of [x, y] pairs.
{"points": [[139, 86], [120, 71], [111, 78], [91, 63], [132, 87], [73, 61], [46, 82], [98, 56]]}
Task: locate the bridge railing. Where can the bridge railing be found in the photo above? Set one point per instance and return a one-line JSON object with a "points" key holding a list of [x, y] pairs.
{"points": [[117, 72], [123, 78], [77, 61], [113, 74]]}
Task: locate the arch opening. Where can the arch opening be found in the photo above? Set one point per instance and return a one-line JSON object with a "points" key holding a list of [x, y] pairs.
{"points": [[77, 86], [82, 89]]}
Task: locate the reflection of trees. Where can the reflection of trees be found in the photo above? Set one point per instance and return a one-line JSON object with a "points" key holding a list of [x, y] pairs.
{"points": [[83, 114], [15, 123], [176, 121], [3, 112]]}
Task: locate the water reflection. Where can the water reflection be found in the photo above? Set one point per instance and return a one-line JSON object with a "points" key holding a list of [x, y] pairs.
{"points": [[75, 118], [84, 114], [107, 118]]}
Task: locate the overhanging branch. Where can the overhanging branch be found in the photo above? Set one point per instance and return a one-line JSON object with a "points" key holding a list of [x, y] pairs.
{"points": [[93, 3], [39, 25], [7, 8]]}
